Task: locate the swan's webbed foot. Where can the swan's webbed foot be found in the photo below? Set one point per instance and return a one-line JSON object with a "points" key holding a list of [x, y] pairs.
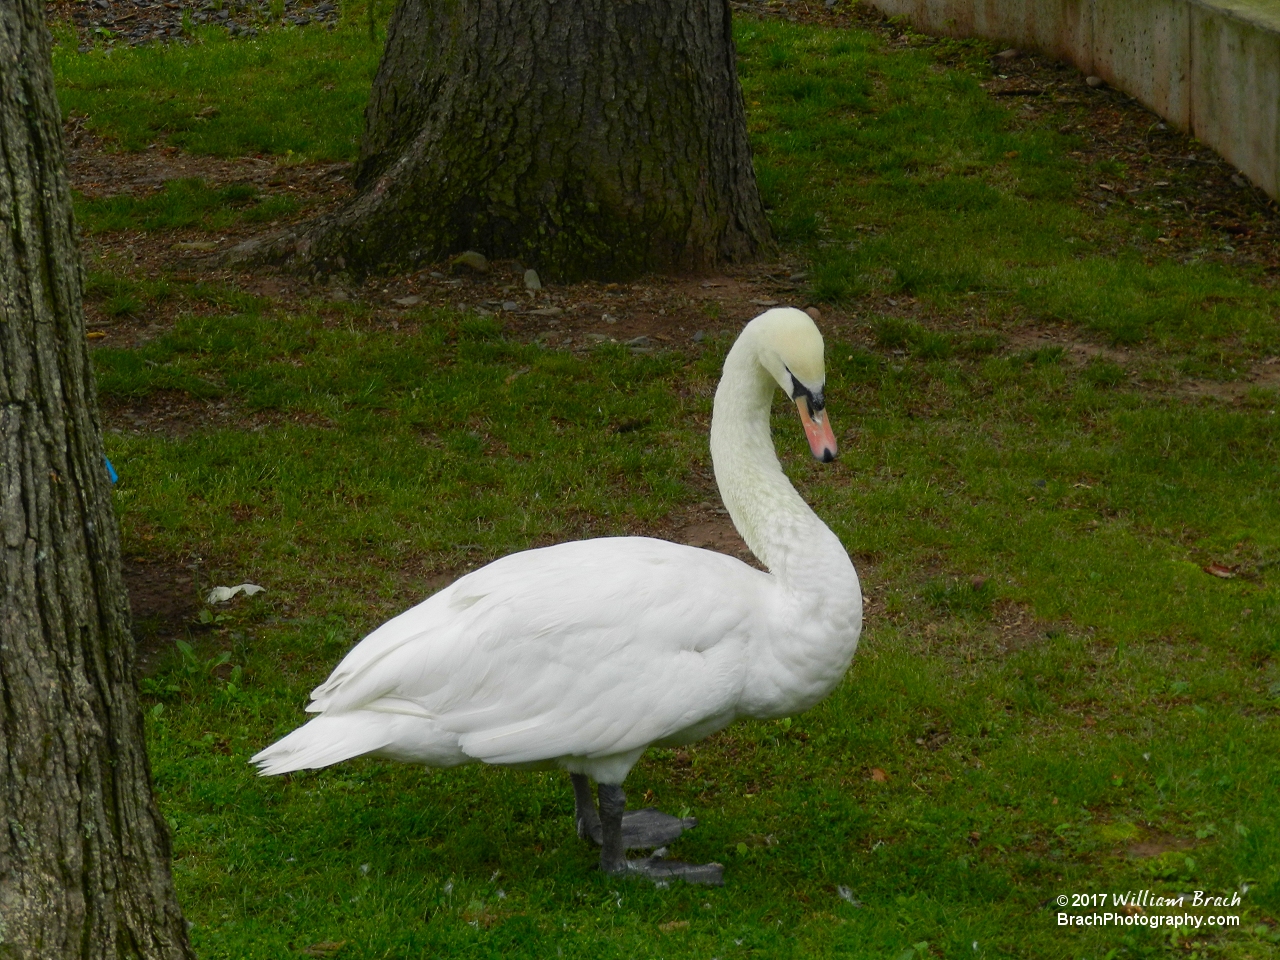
{"points": [[662, 871], [641, 829], [613, 857]]}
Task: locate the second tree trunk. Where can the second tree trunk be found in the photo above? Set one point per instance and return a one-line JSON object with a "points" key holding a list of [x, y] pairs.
{"points": [[587, 138]]}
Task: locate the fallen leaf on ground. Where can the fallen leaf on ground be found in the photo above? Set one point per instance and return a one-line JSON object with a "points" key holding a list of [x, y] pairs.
{"points": [[1218, 570], [878, 775], [673, 925]]}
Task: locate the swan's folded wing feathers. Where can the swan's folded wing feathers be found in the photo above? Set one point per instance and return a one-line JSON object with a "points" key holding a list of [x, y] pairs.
{"points": [[412, 626], [607, 715], [525, 670]]}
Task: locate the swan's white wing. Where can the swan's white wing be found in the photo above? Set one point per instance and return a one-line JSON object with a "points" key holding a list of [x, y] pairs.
{"points": [[585, 649]]}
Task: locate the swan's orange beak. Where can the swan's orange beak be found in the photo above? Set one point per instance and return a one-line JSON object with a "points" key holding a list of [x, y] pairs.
{"points": [[817, 427]]}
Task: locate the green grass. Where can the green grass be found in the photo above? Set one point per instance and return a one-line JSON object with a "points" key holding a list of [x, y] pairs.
{"points": [[118, 294], [1048, 676], [182, 203], [895, 155], [1138, 701], [298, 93]]}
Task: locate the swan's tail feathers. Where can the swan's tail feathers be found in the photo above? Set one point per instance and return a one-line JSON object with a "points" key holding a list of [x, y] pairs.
{"points": [[323, 741]]}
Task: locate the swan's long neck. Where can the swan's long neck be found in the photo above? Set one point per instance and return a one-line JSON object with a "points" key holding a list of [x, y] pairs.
{"points": [[810, 632], [776, 523]]}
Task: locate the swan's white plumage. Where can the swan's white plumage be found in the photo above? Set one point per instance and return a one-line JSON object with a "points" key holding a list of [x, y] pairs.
{"points": [[583, 654]]}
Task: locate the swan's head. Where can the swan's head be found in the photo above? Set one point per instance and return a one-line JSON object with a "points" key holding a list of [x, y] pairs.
{"points": [[789, 346]]}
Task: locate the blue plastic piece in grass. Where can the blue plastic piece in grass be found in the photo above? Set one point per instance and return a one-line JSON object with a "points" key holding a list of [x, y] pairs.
{"points": [[111, 471]]}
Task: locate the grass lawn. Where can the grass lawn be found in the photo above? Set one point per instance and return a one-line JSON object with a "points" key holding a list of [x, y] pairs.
{"points": [[1052, 697]]}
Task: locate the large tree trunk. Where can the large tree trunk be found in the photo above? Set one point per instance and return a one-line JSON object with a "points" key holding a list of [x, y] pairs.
{"points": [[84, 852], [587, 138]]}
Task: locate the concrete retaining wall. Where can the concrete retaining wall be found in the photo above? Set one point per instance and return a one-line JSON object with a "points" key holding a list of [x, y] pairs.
{"points": [[1211, 67]]}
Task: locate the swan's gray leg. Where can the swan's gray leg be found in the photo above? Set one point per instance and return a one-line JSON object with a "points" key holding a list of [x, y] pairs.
{"points": [[641, 829], [613, 857], [585, 817], [613, 803]]}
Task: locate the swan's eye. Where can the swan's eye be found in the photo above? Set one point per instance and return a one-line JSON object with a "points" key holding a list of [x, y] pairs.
{"points": [[814, 399]]}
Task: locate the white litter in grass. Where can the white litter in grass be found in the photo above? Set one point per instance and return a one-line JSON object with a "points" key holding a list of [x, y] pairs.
{"points": [[222, 594], [847, 894]]}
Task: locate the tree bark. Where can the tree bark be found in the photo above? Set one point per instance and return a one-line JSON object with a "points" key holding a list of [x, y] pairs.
{"points": [[586, 138], [84, 852]]}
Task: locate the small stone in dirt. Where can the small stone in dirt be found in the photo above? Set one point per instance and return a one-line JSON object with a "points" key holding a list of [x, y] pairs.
{"points": [[608, 318], [471, 260], [531, 281], [764, 302], [814, 312], [1095, 82], [510, 306], [599, 337], [547, 312], [640, 341], [699, 336], [436, 275], [1007, 54], [408, 301], [196, 245], [799, 276], [339, 295]]}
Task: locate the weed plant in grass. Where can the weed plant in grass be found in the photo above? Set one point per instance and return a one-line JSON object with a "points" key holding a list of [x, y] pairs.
{"points": [[1098, 714]]}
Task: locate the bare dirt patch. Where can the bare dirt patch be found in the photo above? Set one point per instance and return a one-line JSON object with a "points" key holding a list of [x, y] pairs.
{"points": [[175, 413], [164, 599], [137, 22], [1158, 844], [710, 528], [1264, 375], [1075, 351]]}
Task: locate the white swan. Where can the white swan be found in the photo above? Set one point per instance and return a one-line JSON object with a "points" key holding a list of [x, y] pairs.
{"points": [[582, 655]]}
